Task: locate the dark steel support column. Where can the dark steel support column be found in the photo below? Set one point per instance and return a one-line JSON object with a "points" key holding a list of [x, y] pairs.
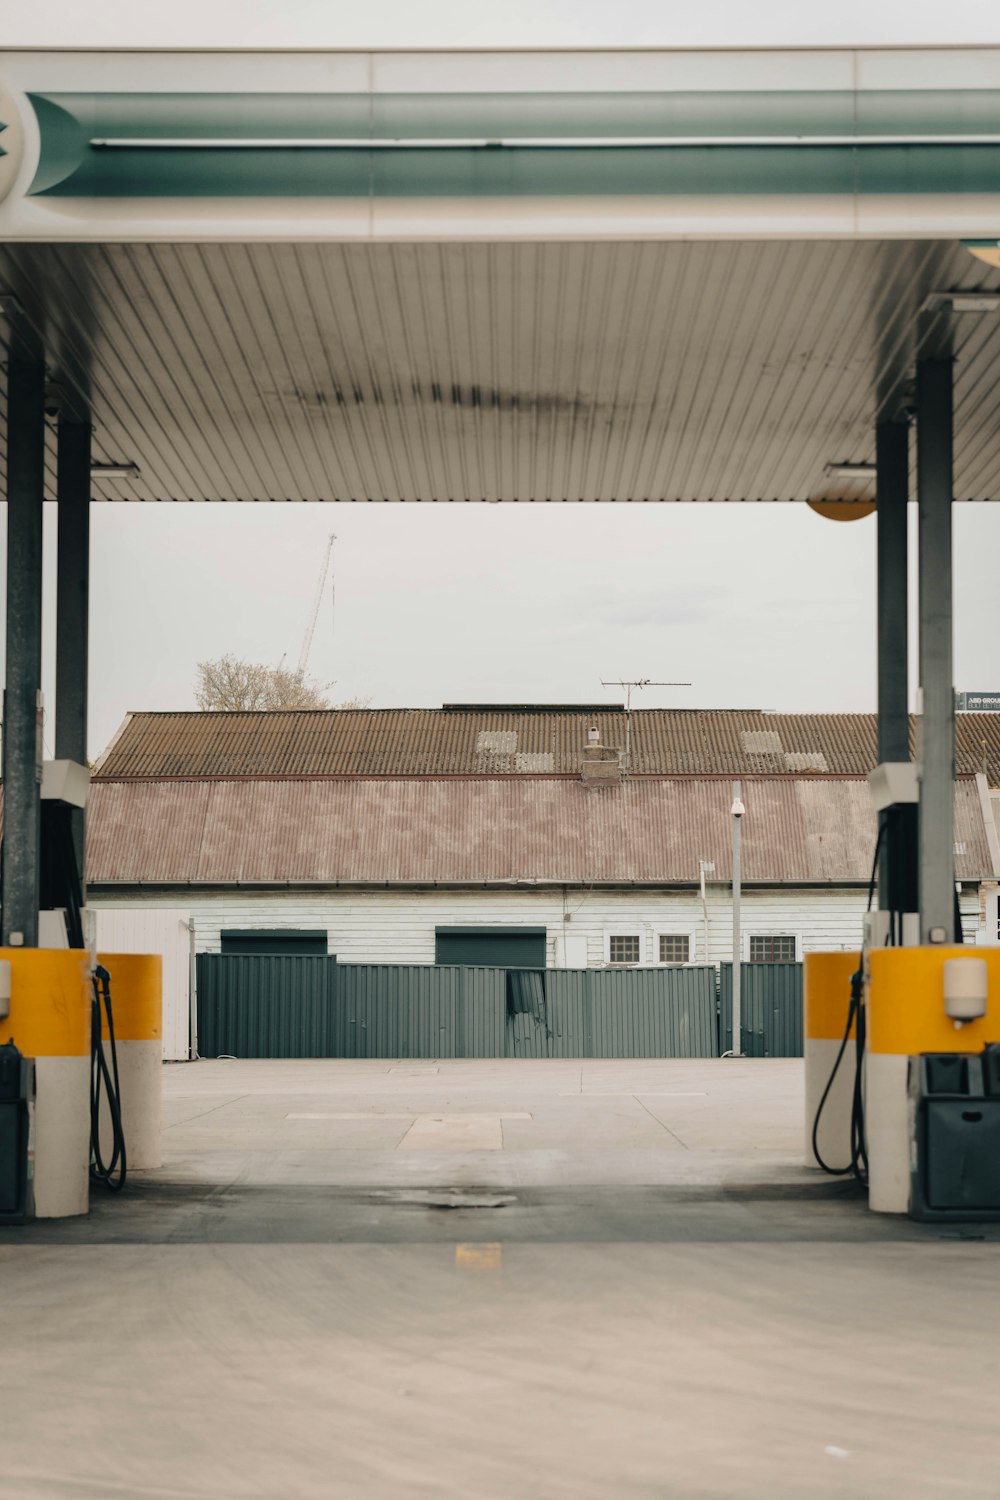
{"points": [[22, 750], [937, 748], [73, 606], [897, 882]]}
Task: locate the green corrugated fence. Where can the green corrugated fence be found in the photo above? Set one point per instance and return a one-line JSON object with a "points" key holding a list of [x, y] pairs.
{"points": [[669, 1012], [261, 1005], [770, 1009], [419, 1010], [266, 1005]]}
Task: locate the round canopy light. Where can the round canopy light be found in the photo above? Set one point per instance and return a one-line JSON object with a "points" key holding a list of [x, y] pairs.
{"points": [[842, 510], [986, 250]]}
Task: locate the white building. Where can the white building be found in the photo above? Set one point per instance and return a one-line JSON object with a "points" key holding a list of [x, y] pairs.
{"points": [[500, 835]]}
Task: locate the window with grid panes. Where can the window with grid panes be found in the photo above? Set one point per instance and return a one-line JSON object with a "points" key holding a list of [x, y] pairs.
{"points": [[624, 950], [675, 947], [772, 948]]}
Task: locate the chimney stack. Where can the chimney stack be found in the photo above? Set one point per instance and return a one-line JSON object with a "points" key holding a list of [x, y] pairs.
{"points": [[602, 764]]}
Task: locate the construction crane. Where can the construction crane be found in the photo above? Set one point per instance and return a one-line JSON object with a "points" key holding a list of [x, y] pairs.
{"points": [[314, 614]]}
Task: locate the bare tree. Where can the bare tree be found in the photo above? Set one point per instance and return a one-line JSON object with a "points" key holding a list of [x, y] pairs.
{"points": [[230, 683]]}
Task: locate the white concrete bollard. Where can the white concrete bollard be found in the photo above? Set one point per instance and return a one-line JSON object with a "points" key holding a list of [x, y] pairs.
{"points": [[137, 1007], [826, 999]]}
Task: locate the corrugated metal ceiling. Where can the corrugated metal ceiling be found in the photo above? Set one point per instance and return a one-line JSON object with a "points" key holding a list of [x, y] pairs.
{"points": [[485, 742], [485, 831], [555, 371]]}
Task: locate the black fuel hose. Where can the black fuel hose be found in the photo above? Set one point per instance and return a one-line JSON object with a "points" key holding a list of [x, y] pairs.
{"points": [[104, 1081], [858, 1164]]}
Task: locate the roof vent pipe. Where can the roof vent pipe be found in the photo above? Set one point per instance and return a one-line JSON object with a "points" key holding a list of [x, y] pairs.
{"points": [[593, 735]]}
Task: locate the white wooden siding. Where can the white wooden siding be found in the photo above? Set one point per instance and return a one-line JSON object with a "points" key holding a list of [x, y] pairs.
{"points": [[989, 932], [398, 926], [138, 928]]}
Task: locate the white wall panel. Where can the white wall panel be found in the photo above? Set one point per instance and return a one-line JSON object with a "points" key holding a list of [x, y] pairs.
{"points": [[144, 928], [398, 926]]}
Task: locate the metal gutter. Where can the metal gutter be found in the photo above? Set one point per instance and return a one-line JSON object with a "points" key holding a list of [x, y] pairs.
{"points": [[518, 776], [551, 884]]}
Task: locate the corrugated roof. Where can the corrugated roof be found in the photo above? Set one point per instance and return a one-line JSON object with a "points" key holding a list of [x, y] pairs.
{"points": [[616, 370], [512, 742], [488, 831]]}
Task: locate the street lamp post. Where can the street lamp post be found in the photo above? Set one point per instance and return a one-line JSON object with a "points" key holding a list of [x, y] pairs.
{"points": [[736, 811]]}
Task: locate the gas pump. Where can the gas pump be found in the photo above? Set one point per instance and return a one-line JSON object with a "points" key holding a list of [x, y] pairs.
{"points": [[54, 1068], [17, 1099], [902, 1049]]}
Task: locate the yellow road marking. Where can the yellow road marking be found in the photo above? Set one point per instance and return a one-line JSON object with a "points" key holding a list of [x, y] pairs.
{"points": [[483, 1257]]}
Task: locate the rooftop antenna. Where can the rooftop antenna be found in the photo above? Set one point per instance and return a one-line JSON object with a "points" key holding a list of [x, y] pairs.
{"points": [[638, 682], [314, 614]]}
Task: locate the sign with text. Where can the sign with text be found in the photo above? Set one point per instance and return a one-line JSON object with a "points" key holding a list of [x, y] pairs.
{"points": [[978, 702]]}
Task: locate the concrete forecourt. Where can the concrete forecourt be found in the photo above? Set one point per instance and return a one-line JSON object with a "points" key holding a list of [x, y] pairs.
{"points": [[546, 1278]]}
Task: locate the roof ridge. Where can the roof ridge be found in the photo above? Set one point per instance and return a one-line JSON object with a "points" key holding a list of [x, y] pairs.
{"points": [[547, 741]]}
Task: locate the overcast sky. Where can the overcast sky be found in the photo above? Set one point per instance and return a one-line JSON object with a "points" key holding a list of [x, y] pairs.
{"points": [[765, 606], [760, 606]]}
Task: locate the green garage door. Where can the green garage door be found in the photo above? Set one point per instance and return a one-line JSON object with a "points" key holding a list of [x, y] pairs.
{"points": [[286, 940], [491, 947]]}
